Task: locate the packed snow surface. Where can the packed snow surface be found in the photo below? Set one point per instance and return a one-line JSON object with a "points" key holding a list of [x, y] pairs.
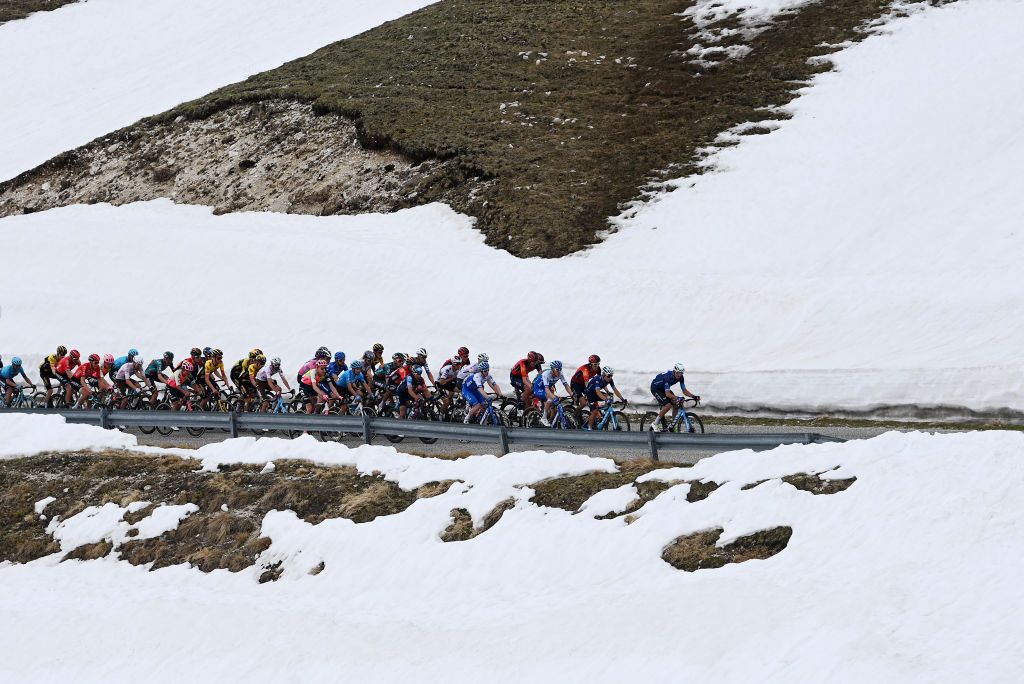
{"points": [[911, 574], [864, 254], [24, 435], [90, 68]]}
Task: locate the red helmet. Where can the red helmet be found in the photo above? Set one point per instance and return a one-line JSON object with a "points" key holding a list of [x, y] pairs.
{"points": [[187, 366], [463, 352], [538, 357], [108, 359], [94, 358], [594, 358], [74, 353]]}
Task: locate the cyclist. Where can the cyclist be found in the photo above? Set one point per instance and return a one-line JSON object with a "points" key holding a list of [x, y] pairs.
{"points": [[394, 374], [596, 392], [369, 359], [544, 390], [472, 386], [123, 378], [240, 376], [317, 386], [154, 373], [180, 384], [8, 374], [47, 369], [90, 370], [471, 368], [447, 383], [378, 352], [582, 376], [321, 353], [214, 368], [336, 367], [266, 385], [660, 388], [461, 358], [520, 376], [420, 359], [352, 383], [412, 389], [64, 370], [108, 368], [121, 360]]}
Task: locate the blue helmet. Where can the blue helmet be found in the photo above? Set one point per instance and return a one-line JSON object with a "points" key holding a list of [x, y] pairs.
{"points": [[133, 352], [16, 361], [207, 351], [339, 356], [357, 365], [556, 365], [483, 366]]}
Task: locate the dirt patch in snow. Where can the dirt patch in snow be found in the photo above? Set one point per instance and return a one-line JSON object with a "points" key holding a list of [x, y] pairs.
{"points": [[274, 156], [462, 527], [569, 493], [812, 482], [223, 533], [19, 9], [699, 551], [542, 120]]}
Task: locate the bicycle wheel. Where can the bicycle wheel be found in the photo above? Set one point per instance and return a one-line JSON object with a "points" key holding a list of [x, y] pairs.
{"points": [[39, 399], [531, 418], [647, 420], [429, 413], [698, 424], [623, 421], [162, 429], [567, 421], [196, 431]]}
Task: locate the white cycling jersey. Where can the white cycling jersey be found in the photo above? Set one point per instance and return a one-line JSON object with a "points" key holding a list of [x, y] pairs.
{"points": [[267, 372], [466, 371], [127, 370]]}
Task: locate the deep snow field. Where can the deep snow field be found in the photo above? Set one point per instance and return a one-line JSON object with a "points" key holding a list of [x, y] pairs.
{"points": [[863, 254], [910, 575]]}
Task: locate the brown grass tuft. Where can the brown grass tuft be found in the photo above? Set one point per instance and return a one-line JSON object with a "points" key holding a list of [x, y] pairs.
{"points": [[698, 551]]}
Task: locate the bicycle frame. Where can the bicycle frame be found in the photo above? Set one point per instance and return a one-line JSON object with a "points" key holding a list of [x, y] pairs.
{"points": [[609, 416]]}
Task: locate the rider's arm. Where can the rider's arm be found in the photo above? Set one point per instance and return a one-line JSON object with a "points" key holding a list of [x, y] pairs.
{"points": [[494, 386]]}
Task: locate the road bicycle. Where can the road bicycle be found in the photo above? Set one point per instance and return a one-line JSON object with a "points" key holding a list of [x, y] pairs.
{"points": [[21, 399], [611, 419], [684, 421], [563, 420]]}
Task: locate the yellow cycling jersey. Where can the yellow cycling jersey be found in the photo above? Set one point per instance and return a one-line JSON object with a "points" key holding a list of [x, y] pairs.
{"points": [[51, 361], [211, 366]]}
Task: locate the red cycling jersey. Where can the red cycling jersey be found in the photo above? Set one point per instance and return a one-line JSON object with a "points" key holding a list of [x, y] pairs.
{"points": [[582, 375], [64, 366], [86, 370], [523, 368]]}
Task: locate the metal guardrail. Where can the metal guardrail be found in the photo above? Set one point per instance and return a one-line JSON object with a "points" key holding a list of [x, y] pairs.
{"points": [[367, 428]]}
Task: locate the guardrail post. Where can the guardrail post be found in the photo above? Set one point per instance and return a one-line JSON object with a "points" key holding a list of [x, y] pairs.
{"points": [[367, 436], [104, 423], [233, 423], [503, 439], [652, 443]]}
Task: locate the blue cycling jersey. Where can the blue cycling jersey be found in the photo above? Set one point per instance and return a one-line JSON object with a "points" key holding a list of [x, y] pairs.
{"points": [[335, 368], [348, 377], [11, 372], [598, 383], [665, 380], [120, 361]]}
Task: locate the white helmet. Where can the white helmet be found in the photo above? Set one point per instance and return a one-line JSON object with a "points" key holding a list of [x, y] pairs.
{"points": [[421, 352], [680, 368], [482, 358], [138, 360], [607, 370]]}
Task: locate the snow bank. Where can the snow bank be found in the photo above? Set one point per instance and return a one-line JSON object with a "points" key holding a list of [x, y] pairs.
{"points": [[912, 574], [864, 254], [26, 435], [109, 63]]}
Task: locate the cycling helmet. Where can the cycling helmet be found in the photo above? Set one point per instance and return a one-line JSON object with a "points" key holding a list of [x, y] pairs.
{"points": [[368, 355], [108, 359], [532, 357], [608, 370], [540, 358], [94, 358], [339, 356], [594, 358], [169, 356], [321, 363], [418, 370], [357, 365], [133, 352], [62, 350], [217, 353], [207, 351], [75, 354], [421, 352], [260, 359], [322, 353], [482, 358], [378, 348], [138, 360], [483, 366], [679, 368], [398, 356], [16, 361], [196, 351], [556, 365], [255, 352], [463, 352], [275, 362], [187, 366]]}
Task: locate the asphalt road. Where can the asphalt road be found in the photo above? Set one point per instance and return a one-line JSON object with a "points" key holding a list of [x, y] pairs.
{"points": [[413, 445]]}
